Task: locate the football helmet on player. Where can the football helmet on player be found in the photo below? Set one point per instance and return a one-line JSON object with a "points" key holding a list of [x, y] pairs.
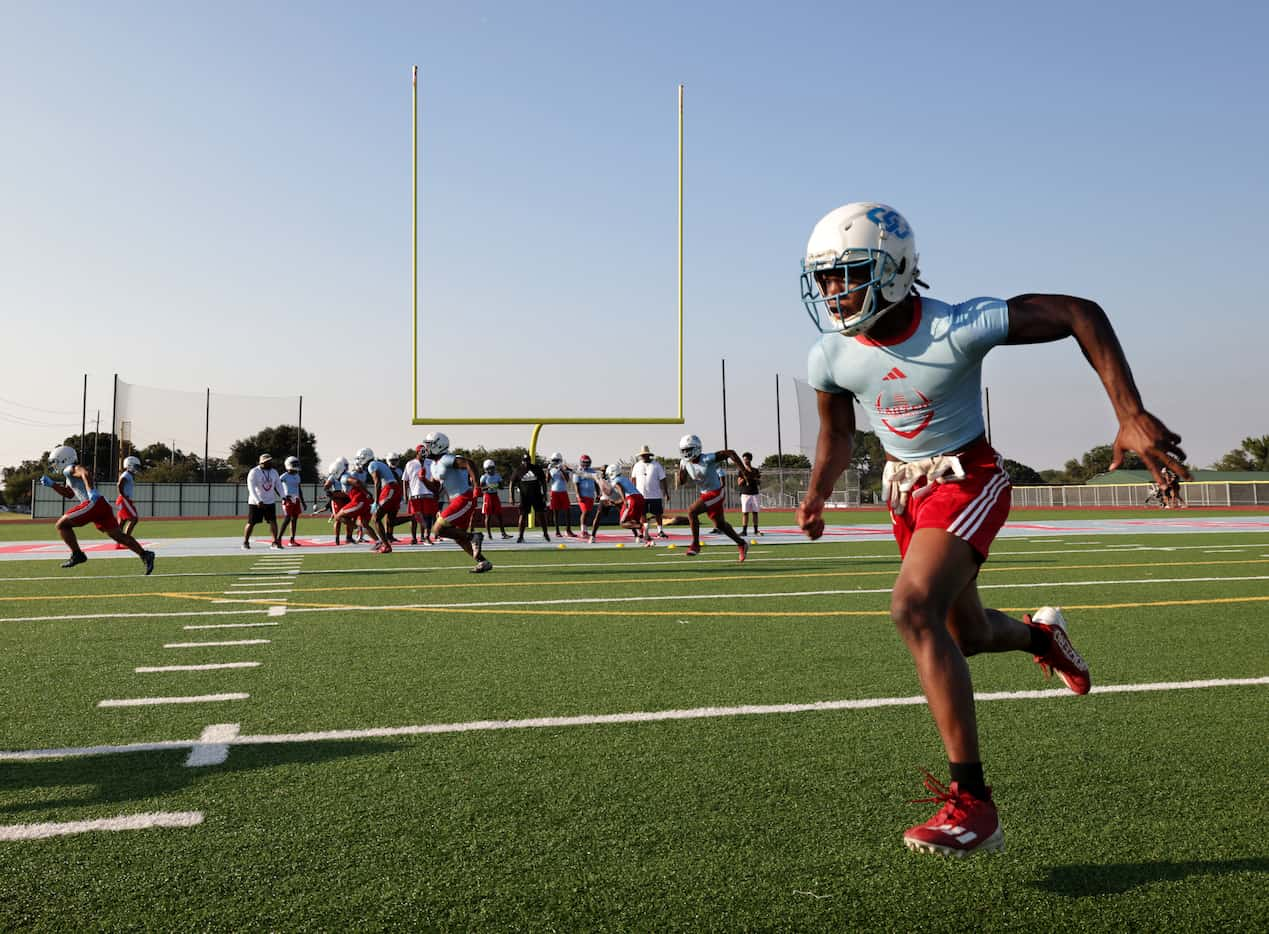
{"points": [[62, 457], [292, 463], [488, 465], [557, 458], [690, 446], [392, 458], [363, 457], [338, 467], [437, 443], [132, 463], [873, 242], [584, 462], [613, 471]]}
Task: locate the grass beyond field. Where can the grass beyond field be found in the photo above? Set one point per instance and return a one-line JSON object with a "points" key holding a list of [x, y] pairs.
{"points": [[595, 740]]}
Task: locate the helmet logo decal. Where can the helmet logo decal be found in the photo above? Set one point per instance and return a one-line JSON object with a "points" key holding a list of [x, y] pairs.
{"points": [[891, 222]]}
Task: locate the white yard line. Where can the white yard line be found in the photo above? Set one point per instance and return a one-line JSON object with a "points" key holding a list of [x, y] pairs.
{"points": [[230, 625], [203, 645], [126, 822], [156, 669], [158, 701], [212, 747], [696, 713], [277, 611]]}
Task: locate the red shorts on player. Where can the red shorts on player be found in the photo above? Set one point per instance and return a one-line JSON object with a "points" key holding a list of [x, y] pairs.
{"points": [[338, 500], [97, 511], [585, 504], [632, 507], [424, 507], [973, 509], [490, 504], [291, 508], [357, 507], [390, 498], [460, 510], [125, 509], [714, 504], [559, 501]]}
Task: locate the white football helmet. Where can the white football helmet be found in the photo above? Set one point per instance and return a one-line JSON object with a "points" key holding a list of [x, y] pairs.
{"points": [[556, 459], [584, 462], [436, 443], [363, 457], [132, 463], [392, 458], [613, 471], [488, 465], [863, 236], [292, 463], [338, 467], [690, 446], [62, 457]]}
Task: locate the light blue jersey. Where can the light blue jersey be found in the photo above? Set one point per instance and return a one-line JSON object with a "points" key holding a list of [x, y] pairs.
{"points": [[490, 482], [452, 477], [585, 484], [290, 483], [627, 486], [559, 479], [381, 470], [79, 487], [127, 483], [346, 479], [704, 472], [923, 392]]}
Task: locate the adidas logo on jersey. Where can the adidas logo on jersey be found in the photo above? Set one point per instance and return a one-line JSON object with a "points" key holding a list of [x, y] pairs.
{"points": [[895, 373]]}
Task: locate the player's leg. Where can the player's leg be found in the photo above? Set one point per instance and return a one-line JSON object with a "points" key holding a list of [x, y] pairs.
{"points": [[271, 515], [694, 524], [66, 530], [246, 531]]}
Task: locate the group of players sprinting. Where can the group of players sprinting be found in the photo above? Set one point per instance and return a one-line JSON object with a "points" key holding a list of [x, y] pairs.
{"points": [[367, 497]]}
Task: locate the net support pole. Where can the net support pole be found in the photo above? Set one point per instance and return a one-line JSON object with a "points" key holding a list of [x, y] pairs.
{"points": [[207, 439], [114, 415], [725, 444], [779, 442], [414, 232], [83, 420], [299, 428]]}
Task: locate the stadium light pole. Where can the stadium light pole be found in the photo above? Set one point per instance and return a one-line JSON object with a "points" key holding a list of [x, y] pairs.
{"points": [[779, 443], [725, 444], [83, 419]]}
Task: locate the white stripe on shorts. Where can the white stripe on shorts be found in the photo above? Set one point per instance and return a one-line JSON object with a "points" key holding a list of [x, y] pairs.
{"points": [[971, 517]]}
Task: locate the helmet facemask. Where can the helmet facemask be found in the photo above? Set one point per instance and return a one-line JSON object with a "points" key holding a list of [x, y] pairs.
{"points": [[871, 271]]}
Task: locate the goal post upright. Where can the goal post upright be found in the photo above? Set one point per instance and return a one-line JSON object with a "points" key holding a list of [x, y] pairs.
{"points": [[538, 422]]}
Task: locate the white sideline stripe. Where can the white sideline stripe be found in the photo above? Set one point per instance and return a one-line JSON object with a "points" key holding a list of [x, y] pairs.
{"points": [[239, 593], [343, 608], [155, 701], [212, 747], [230, 626], [201, 645], [277, 611], [251, 602], [152, 669], [259, 581], [697, 713], [128, 822]]}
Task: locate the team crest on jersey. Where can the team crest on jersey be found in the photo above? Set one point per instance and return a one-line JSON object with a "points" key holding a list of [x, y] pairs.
{"points": [[891, 222], [904, 411]]}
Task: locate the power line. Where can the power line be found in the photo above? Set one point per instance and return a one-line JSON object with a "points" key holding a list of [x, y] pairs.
{"points": [[23, 405]]}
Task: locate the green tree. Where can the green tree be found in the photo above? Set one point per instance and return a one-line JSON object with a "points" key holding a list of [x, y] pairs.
{"points": [[1021, 474], [1253, 454], [1097, 460], [18, 480], [788, 461], [278, 441], [869, 458]]}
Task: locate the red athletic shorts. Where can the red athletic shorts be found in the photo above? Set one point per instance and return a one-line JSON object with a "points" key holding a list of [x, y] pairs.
{"points": [[490, 504], [97, 511], [357, 507], [338, 500], [714, 503], [585, 503], [291, 508], [424, 507], [460, 510], [632, 508], [390, 498], [126, 509], [973, 509], [559, 500]]}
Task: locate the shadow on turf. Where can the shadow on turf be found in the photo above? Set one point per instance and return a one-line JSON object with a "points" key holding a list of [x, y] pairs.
{"points": [[138, 776], [1083, 881]]}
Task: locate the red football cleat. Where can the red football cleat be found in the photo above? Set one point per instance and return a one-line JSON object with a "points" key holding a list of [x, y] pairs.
{"points": [[744, 552], [963, 825], [692, 550], [1061, 657]]}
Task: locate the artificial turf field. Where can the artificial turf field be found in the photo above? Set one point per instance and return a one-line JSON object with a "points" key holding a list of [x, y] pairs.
{"points": [[1129, 810]]}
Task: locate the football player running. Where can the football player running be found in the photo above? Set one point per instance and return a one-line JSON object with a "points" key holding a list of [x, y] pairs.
{"points": [[703, 469], [458, 476], [622, 490], [914, 365], [292, 499], [357, 511], [90, 506], [559, 475], [127, 514], [584, 482], [336, 489], [387, 497]]}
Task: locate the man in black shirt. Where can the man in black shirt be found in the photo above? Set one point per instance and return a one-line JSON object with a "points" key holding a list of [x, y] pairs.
{"points": [[750, 494], [530, 480]]}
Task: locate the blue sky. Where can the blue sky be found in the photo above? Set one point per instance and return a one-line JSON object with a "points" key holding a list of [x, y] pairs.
{"points": [[220, 197]]}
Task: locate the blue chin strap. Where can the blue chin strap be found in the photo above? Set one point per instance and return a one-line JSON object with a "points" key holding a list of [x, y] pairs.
{"points": [[883, 271]]}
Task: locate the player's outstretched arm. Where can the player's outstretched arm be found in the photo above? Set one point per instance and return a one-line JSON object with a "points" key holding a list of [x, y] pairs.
{"points": [[1037, 319], [833, 449]]}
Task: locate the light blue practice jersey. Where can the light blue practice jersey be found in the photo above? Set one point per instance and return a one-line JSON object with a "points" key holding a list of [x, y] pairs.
{"points": [[382, 471], [559, 481], [355, 475], [127, 483], [290, 483], [922, 393], [491, 482], [585, 481], [78, 486], [704, 472], [627, 486], [453, 478]]}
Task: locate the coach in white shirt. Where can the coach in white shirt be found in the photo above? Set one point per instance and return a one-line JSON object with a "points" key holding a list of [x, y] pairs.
{"points": [[649, 478], [263, 485]]}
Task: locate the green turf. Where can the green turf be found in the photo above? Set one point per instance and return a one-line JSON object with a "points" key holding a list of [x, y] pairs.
{"points": [[1131, 811]]}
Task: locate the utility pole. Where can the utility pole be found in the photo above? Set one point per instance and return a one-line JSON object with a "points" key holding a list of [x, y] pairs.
{"points": [[725, 444]]}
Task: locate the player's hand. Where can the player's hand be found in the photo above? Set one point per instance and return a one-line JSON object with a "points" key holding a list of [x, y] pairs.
{"points": [[47, 481], [1151, 439], [810, 516]]}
